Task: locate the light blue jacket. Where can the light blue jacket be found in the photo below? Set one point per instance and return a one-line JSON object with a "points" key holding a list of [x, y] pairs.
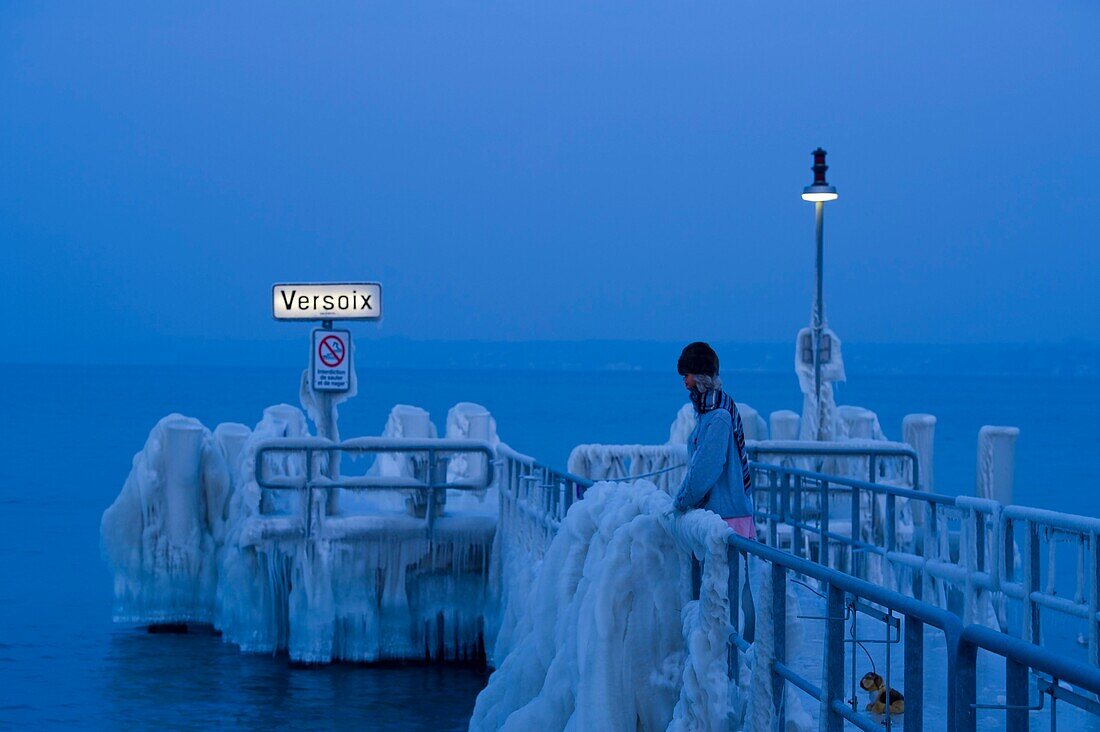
{"points": [[713, 480]]}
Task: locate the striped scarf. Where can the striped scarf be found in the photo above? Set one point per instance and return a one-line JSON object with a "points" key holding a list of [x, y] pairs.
{"points": [[717, 399]]}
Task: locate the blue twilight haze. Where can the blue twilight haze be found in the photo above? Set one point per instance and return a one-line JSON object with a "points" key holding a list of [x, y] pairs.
{"points": [[559, 171]]}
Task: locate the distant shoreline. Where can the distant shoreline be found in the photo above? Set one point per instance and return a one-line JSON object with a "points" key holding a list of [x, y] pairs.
{"points": [[1074, 360]]}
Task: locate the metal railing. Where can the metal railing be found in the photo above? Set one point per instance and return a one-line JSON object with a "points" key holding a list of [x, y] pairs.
{"points": [[846, 595], [536, 491], [663, 464], [319, 461], [876, 453], [961, 545]]}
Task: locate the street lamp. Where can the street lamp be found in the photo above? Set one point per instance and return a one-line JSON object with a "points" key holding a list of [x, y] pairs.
{"points": [[818, 193]]}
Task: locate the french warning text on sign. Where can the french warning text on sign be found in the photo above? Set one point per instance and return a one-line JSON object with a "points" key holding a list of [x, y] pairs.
{"points": [[327, 301], [330, 362]]}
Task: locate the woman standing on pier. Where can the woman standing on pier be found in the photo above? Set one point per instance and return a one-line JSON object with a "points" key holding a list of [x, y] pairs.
{"points": [[718, 477]]}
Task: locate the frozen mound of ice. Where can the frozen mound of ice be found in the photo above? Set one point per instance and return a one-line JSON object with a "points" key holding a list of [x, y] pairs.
{"points": [[608, 637], [159, 535]]}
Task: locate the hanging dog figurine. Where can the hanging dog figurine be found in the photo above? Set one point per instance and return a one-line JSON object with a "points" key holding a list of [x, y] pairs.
{"points": [[874, 685]]}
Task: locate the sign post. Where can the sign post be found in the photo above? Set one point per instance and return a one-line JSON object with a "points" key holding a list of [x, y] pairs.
{"points": [[330, 350]]}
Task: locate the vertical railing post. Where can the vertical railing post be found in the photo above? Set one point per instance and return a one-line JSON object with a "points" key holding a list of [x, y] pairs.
{"points": [[962, 685], [779, 640], [823, 545], [773, 512], [890, 540], [732, 587], [796, 511], [1016, 696], [833, 673], [891, 522], [857, 531], [1092, 575], [429, 479], [307, 504], [1030, 631], [914, 674], [784, 497]]}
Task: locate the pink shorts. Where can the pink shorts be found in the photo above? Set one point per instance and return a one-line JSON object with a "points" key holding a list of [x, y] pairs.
{"points": [[742, 526]]}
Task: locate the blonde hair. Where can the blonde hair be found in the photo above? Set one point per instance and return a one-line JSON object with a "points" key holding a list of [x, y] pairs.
{"points": [[704, 384]]}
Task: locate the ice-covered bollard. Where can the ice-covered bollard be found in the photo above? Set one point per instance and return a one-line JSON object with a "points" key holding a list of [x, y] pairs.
{"points": [[996, 463], [919, 432], [182, 483], [469, 421], [231, 437], [755, 426], [857, 423], [281, 420], [784, 424], [158, 534], [413, 423]]}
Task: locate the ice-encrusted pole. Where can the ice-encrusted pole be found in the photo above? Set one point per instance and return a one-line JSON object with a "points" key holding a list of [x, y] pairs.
{"points": [[326, 428]]}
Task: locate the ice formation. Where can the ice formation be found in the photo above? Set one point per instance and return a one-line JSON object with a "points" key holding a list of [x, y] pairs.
{"points": [[661, 464], [831, 372], [159, 535], [784, 424], [599, 642], [469, 421], [193, 538]]}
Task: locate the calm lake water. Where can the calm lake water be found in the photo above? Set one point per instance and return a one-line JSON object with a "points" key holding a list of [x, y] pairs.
{"points": [[67, 450]]}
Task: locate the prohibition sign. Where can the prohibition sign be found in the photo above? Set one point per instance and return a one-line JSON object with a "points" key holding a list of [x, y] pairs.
{"points": [[331, 351]]}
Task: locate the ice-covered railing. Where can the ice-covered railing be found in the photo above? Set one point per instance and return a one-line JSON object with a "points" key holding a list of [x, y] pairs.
{"points": [[876, 460], [901, 621], [534, 499], [429, 458], [965, 555], [602, 629], [662, 464], [559, 610], [260, 533]]}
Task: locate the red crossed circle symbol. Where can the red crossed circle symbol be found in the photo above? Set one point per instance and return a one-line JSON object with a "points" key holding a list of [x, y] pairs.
{"points": [[331, 351]]}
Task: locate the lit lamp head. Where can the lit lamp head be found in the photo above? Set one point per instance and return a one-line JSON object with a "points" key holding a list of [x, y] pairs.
{"points": [[819, 190]]}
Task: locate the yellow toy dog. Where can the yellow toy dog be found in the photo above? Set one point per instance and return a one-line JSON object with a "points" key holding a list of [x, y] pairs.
{"points": [[873, 684]]}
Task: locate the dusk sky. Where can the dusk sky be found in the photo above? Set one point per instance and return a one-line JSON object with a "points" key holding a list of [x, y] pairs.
{"points": [[526, 171]]}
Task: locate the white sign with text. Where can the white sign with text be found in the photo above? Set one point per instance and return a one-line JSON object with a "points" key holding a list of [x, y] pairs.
{"points": [[327, 301]]}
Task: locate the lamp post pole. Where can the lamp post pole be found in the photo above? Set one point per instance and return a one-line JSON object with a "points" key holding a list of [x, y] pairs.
{"points": [[818, 193], [819, 309]]}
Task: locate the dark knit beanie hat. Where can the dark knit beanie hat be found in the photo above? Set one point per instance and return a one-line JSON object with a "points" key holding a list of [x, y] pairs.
{"points": [[698, 358]]}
